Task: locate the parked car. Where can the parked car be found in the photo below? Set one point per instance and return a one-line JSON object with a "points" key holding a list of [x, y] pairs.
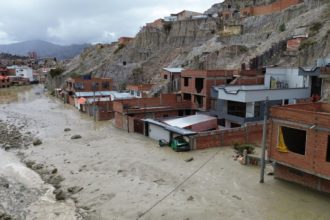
{"points": [[180, 144]]}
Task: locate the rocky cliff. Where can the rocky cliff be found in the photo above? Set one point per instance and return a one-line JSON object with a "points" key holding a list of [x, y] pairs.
{"points": [[202, 44]]}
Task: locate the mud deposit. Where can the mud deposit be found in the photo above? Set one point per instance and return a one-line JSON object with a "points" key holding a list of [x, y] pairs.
{"points": [[111, 174]]}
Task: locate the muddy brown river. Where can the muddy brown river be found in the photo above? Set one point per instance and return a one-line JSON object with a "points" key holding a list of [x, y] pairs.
{"points": [[127, 176]]}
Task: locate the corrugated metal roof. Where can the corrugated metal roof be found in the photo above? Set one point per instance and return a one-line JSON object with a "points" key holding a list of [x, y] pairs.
{"points": [[189, 120], [174, 70], [176, 130]]}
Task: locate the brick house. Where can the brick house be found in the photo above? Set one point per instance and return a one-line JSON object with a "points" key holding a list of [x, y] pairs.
{"points": [[196, 85], [299, 144], [185, 15], [85, 84], [158, 24], [128, 113], [125, 40], [4, 81]]}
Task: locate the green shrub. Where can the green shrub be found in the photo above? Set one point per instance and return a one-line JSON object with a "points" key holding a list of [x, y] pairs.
{"points": [[306, 43], [120, 46], [240, 148], [56, 72], [282, 27]]}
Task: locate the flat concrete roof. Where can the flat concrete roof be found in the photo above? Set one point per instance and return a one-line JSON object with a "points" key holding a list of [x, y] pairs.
{"points": [[189, 120], [173, 70]]}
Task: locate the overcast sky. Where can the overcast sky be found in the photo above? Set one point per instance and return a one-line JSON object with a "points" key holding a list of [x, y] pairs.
{"points": [[84, 21]]}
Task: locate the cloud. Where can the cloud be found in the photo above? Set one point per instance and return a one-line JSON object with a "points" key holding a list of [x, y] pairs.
{"points": [[84, 21]]}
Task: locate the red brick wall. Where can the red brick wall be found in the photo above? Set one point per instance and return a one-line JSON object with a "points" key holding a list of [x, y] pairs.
{"points": [[250, 134], [211, 78], [4, 82], [302, 116], [296, 176], [119, 120], [88, 84], [250, 81], [268, 9]]}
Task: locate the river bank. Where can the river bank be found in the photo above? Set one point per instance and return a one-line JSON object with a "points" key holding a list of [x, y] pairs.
{"points": [[116, 175]]}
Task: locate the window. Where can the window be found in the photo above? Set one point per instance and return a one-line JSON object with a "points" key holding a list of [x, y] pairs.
{"points": [[328, 150], [105, 85], [199, 84], [78, 86], [165, 76], [291, 139], [186, 81]]}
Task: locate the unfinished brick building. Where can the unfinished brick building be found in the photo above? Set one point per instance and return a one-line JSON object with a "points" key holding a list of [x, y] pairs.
{"points": [[196, 85], [128, 113], [4, 81], [299, 144], [87, 84]]}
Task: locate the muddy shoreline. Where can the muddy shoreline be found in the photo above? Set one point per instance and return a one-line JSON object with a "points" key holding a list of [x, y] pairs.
{"points": [[20, 197]]}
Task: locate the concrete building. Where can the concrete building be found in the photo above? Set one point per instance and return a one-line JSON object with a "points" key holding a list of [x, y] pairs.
{"points": [[139, 91], [237, 104], [185, 15], [196, 85], [22, 71], [299, 144], [173, 77]]}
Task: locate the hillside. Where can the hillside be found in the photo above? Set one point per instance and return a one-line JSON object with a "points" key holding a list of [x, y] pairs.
{"points": [[43, 49], [202, 44]]}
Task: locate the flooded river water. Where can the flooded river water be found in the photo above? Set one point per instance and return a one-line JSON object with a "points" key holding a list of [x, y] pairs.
{"points": [[127, 176]]}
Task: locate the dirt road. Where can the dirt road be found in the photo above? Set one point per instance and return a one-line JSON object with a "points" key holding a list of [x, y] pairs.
{"points": [[127, 176]]}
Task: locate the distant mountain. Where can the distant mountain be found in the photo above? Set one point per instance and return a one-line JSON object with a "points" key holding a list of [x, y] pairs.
{"points": [[43, 49]]}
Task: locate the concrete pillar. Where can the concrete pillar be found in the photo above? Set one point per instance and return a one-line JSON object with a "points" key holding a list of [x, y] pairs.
{"points": [[250, 110]]}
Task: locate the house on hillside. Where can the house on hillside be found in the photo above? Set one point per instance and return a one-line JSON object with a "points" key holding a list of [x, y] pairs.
{"points": [[125, 40], [185, 15]]}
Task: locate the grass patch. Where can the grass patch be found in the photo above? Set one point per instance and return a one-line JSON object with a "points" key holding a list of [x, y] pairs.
{"points": [[314, 29], [306, 43], [120, 46]]}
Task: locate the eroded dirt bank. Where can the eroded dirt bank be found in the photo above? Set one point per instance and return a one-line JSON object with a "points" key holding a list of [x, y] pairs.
{"points": [[110, 174]]}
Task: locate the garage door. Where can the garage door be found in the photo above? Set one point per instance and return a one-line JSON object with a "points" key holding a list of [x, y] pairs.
{"points": [[158, 133]]}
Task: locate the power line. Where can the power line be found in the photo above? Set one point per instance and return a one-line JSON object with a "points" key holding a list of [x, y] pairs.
{"points": [[178, 186]]}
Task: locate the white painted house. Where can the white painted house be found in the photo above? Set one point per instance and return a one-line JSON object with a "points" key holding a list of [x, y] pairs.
{"points": [[238, 104], [23, 71]]}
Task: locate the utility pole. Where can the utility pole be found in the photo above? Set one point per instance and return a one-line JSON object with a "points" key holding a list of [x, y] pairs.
{"points": [[264, 139], [94, 106]]}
